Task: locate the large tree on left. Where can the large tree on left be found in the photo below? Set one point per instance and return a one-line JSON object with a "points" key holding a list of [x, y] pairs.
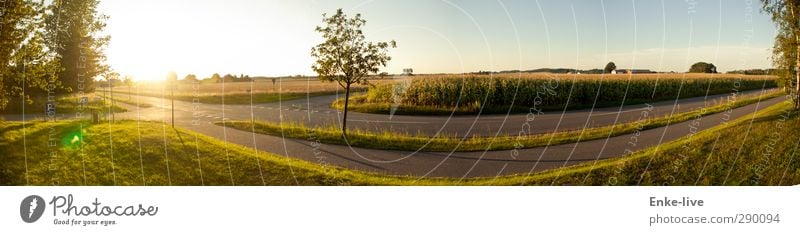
{"points": [[73, 30], [25, 64]]}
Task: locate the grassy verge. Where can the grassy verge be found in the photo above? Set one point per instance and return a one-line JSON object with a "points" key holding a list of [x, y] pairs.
{"points": [[130, 102], [63, 105], [147, 153], [359, 103], [405, 141], [754, 150]]}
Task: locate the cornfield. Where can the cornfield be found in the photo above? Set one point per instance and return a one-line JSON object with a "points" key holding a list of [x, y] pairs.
{"points": [[557, 91]]}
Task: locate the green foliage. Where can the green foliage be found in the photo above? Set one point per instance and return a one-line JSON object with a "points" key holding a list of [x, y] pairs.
{"points": [[215, 78], [190, 78], [785, 15], [25, 65], [345, 56], [71, 29], [609, 67], [703, 67], [754, 72]]}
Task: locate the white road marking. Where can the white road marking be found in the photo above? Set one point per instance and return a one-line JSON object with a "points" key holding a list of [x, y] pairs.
{"points": [[626, 111], [368, 121]]}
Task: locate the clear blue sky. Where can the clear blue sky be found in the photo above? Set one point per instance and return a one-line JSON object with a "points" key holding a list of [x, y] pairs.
{"points": [[151, 37]]}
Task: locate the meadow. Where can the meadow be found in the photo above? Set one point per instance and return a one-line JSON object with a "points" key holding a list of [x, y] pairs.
{"points": [[469, 94], [151, 153], [239, 92]]}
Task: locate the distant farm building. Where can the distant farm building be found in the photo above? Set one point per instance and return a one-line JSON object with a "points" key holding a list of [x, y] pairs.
{"points": [[631, 71]]}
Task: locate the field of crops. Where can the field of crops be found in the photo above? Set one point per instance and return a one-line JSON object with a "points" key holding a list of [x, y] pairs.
{"points": [[295, 85], [551, 91], [264, 91]]}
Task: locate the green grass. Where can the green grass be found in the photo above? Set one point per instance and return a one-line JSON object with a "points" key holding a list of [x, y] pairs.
{"points": [[63, 105], [493, 94], [127, 101], [758, 151], [84, 157], [168, 156], [411, 142]]}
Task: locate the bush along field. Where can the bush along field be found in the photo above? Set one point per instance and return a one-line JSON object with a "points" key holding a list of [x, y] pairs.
{"points": [[468, 94], [759, 151]]}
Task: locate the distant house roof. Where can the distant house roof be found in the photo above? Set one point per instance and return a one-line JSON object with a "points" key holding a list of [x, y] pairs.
{"points": [[634, 71]]}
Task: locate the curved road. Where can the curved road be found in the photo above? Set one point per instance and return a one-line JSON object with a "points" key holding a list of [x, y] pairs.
{"points": [[315, 111]]}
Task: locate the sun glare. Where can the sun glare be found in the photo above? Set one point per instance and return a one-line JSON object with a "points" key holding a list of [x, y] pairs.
{"points": [[202, 40]]}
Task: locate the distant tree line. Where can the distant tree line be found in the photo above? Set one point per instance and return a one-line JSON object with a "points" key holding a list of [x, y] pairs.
{"points": [[755, 72], [699, 67], [703, 67], [216, 78]]}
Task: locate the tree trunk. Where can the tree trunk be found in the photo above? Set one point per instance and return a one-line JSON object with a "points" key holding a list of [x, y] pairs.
{"points": [[111, 92], [346, 102], [172, 97], [795, 29], [797, 75]]}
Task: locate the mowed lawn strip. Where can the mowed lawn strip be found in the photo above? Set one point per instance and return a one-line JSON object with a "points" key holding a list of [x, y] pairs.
{"points": [[410, 142]]}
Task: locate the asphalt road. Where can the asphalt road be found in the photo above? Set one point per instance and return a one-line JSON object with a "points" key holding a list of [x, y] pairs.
{"points": [[316, 111]]}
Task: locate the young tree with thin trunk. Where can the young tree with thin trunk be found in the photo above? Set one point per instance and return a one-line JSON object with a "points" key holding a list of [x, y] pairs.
{"points": [[786, 16], [172, 81], [345, 56], [111, 77], [128, 81]]}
